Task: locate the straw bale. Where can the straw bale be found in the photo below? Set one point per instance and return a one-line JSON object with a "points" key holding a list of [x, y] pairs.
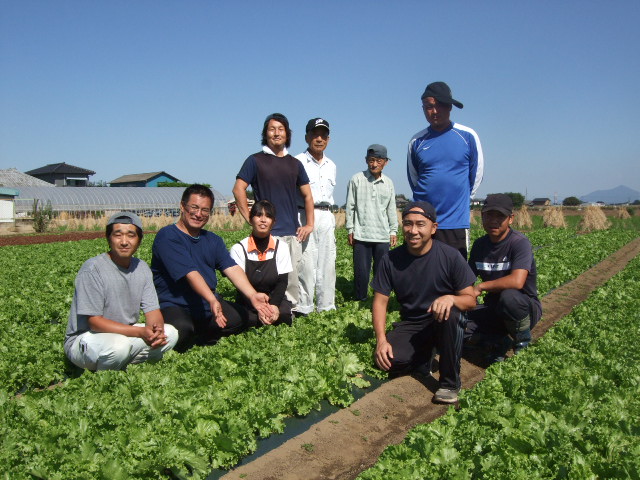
{"points": [[594, 219], [553, 217]]}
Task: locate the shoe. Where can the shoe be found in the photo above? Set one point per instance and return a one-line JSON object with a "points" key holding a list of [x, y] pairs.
{"points": [[446, 395], [518, 347]]}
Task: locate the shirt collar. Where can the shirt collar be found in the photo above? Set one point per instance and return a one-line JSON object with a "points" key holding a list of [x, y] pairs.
{"points": [[370, 176], [266, 149], [251, 244], [311, 158]]}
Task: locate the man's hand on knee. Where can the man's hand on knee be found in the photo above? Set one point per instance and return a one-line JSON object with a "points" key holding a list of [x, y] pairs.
{"points": [[384, 355]]}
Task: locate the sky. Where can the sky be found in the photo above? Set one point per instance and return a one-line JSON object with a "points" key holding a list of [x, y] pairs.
{"points": [[123, 87]]}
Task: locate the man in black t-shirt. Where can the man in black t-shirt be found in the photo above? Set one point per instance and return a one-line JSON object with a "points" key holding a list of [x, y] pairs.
{"points": [[503, 259], [433, 285]]}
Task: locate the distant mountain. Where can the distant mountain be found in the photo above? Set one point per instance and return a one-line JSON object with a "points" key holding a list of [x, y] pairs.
{"points": [[619, 194]]}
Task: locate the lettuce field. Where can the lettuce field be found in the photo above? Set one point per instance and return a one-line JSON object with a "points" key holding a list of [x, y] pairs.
{"points": [[207, 408]]}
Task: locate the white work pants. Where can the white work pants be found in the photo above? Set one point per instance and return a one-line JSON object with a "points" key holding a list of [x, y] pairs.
{"points": [[317, 269], [112, 351]]}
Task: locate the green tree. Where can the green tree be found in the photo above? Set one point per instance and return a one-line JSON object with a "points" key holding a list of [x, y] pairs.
{"points": [[516, 198], [571, 202]]}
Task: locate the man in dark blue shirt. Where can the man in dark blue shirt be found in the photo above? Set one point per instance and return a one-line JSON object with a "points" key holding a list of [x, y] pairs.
{"points": [[433, 285], [503, 259], [184, 261]]}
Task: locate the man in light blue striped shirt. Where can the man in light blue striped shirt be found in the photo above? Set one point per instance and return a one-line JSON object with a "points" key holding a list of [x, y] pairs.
{"points": [[372, 221]]}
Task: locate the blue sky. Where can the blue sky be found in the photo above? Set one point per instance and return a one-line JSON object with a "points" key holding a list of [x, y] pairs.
{"points": [[125, 87]]}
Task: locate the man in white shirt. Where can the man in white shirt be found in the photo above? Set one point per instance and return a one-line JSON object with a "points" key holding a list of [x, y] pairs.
{"points": [[317, 268]]}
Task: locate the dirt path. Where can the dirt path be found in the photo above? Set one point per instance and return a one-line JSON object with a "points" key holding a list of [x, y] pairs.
{"points": [[351, 440]]}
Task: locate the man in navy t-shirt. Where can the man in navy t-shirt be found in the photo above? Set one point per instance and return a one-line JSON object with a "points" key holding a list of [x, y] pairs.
{"points": [[276, 176], [433, 285], [184, 261], [503, 259]]}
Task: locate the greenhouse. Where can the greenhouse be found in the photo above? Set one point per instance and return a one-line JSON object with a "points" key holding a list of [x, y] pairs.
{"points": [[146, 201]]}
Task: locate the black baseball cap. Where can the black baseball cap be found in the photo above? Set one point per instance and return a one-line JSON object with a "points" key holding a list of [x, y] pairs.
{"points": [[500, 202], [317, 122], [427, 210], [441, 92]]}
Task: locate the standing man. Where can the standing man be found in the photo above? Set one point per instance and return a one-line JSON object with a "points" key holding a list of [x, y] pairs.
{"points": [[317, 270], [433, 286], [371, 218], [503, 259], [111, 289], [184, 261], [445, 166], [276, 176]]}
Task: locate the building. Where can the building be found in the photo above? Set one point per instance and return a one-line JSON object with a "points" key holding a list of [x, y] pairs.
{"points": [[540, 202], [63, 175], [143, 180], [7, 195]]}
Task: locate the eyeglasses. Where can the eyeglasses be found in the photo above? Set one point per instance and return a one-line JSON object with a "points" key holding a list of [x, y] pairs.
{"points": [[196, 209], [375, 160]]}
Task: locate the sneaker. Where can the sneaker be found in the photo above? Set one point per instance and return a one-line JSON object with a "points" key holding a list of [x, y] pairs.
{"points": [[446, 395], [518, 347]]}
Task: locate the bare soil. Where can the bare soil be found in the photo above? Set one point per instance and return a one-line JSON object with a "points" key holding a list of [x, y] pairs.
{"points": [[351, 440]]}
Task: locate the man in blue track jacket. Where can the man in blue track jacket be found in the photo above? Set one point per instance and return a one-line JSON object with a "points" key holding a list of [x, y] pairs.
{"points": [[445, 166]]}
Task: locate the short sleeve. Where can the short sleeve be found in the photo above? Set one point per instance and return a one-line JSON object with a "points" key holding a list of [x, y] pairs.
{"points": [[237, 255], [522, 255], [149, 300], [90, 295], [303, 178], [382, 282], [249, 170]]}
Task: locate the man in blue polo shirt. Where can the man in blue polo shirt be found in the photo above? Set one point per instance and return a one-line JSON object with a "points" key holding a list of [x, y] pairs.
{"points": [[445, 166], [276, 176]]}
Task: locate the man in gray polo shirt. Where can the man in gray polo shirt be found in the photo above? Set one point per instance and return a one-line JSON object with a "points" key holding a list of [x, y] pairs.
{"points": [[110, 291]]}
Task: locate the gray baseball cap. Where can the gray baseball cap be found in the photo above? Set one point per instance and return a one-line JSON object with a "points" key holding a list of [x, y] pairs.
{"points": [[126, 218], [378, 151]]}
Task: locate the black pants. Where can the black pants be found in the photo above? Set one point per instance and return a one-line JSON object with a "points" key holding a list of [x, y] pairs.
{"points": [[413, 342], [455, 237], [202, 329], [285, 315], [363, 253], [499, 312]]}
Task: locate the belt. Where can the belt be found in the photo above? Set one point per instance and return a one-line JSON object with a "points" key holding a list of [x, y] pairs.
{"points": [[326, 208]]}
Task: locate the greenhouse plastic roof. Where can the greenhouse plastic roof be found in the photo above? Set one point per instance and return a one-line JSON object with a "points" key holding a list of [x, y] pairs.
{"points": [[75, 199]]}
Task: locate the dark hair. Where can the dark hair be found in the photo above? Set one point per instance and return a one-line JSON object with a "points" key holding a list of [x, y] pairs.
{"points": [[278, 117], [109, 230], [197, 189], [263, 206]]}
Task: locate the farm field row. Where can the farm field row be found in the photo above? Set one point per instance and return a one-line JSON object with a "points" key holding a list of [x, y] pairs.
{"points": [[187, 399], [567, 407]]}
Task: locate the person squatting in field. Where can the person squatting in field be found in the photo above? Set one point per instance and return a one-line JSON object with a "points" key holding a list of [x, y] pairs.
{"points": [[317, 268], [276, 176], [445, 166], [434, 286], [110, 291], [184, 261], [503, 259], [267, 263], [371, 218]]}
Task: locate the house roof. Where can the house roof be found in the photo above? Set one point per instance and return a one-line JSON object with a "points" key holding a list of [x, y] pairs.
{"points": [[11, 177], [541, 199], [61, 168], [141, 177]]}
